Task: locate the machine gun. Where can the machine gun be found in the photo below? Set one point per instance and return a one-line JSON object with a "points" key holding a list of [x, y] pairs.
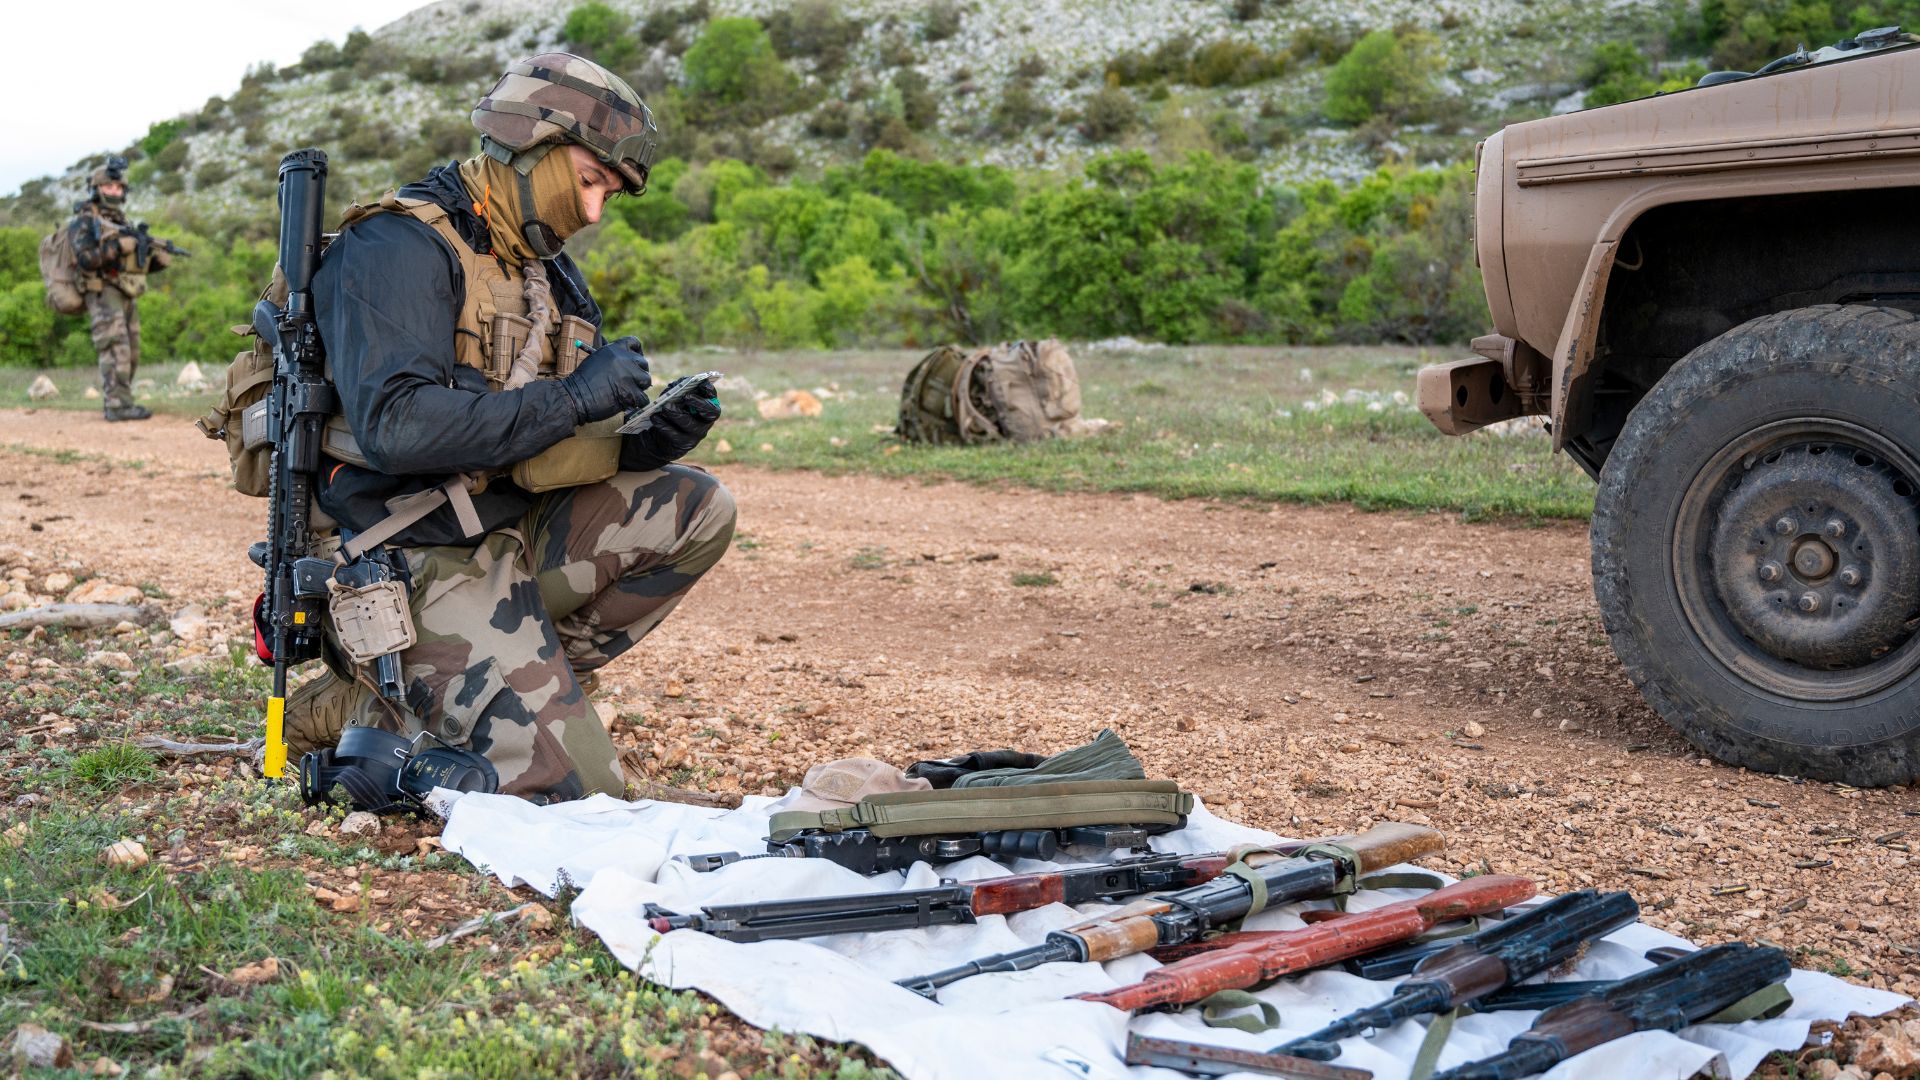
{"points": [[287, 618], [953, 903], [1239, 961], [1512, 952], [1665, 998], [1269, 878]]}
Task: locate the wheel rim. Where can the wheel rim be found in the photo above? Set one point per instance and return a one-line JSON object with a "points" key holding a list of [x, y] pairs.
{"points": [[1797, 560]]}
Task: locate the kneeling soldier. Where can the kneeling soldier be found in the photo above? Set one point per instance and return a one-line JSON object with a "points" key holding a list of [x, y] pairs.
{"points": [[462, 342]]}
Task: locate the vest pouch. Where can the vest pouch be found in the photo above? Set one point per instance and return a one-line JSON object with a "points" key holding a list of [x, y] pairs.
{"points": [[337, 442], [572, 340], [240, 420], [591, 454], [507, 335]]}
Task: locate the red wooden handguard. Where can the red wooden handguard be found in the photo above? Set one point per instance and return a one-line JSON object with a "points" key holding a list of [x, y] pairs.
{"points": [[1239, 961]]}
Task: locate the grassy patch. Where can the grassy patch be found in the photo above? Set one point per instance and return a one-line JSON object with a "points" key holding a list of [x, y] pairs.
{"points": [[259, 941], [73, 382], [1040, 580], [1294, 425]]}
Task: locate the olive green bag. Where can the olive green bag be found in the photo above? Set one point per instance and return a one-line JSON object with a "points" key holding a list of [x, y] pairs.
{"points": [[1156, 804]]}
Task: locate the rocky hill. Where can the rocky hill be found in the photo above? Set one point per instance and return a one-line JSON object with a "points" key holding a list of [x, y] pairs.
{"points": [[1031, 84]]}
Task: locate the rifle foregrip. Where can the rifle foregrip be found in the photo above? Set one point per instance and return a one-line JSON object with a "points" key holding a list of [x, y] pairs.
{"points": [[1393, 843], [1021, 892]]}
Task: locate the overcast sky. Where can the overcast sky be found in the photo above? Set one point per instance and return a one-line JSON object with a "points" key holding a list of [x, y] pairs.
{"points": [[92, 76]]}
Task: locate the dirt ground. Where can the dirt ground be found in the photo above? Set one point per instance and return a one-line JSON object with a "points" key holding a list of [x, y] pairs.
{"points": [[1304, 669]]}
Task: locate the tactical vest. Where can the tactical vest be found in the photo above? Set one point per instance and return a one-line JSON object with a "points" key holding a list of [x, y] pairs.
{"points": [[490, 330], [125, 276]]}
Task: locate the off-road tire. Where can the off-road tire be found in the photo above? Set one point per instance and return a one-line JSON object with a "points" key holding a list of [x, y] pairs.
{"points": [[1749, 680]]}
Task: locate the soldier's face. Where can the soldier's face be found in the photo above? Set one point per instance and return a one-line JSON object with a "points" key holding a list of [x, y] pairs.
{"points": [[597, 182], [113, 189]]}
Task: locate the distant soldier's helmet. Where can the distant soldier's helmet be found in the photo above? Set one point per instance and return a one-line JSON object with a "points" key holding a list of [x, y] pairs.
{"points": [[561, 98], [114, 171]]}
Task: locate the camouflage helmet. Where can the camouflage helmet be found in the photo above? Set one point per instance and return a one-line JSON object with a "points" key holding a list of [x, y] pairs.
{"points": [[562, 98], [112, 171]]}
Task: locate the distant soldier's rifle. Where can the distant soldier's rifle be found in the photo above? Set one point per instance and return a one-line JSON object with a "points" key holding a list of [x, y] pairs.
{"points": [[1245, 960], [1669, 997], [1261, 879]]}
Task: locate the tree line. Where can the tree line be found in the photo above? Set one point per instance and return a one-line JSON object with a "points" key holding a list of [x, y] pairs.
{"points": [[897, 252]]}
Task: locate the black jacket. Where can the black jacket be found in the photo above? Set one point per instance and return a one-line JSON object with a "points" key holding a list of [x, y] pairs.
{"points": [[386, 297]]}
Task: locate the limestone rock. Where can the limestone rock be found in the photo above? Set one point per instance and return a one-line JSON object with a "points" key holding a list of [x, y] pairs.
{"points": [[56, 583], [42, 389], [191, 377], [359, 823], [126, 854], [102, 591], [37, 1048], [110, 659]]}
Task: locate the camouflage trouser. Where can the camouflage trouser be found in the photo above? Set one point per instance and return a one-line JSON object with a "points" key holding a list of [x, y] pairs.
{"points": [[116, 337], [507, 628]]}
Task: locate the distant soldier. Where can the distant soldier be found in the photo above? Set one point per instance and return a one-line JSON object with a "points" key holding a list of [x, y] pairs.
{"points": [[114, 259]]}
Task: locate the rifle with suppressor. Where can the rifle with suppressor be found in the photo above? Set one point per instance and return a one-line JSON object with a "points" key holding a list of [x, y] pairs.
{"points": [[1516, 950], [1262, 879], [1244, 960], [953, 903], [1665, 998], [288, 615]]}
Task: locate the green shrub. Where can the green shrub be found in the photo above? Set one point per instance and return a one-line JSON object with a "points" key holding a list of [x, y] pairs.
{"points": [[160, 135], [918, 106], [1018, 109], [814, 30], [597, 31], [1386, 75], [1108, 113], [942, 19]]}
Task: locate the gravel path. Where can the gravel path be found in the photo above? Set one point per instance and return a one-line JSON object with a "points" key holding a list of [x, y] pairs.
{"points": [[1305, 669]]}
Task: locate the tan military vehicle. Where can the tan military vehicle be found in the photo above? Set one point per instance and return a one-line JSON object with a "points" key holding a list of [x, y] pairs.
{"points": [[1711, 297]]}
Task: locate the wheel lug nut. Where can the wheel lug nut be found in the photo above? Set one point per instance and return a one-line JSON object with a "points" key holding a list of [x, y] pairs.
{"points": [[1810, 602], [1851, 577], [1786, 526], [1836, 528], [1769, 571]]}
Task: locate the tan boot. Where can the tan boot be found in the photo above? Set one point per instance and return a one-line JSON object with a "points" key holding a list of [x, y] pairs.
{"points": [[319, 709]]}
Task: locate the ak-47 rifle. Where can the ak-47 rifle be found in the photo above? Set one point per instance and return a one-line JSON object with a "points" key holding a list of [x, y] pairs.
{"points": [[953, 903], [288, 616], [1512, 952], [1239, 961], [1320, 871], [1665, 998]]}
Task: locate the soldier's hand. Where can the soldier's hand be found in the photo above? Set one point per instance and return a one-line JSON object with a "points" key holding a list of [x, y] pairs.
{"points": [[611, 380], [680, 424]]}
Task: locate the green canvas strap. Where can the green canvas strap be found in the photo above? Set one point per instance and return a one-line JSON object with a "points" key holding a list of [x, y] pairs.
{"points": [[1435, 1041], [1105, 758], [997, 809], [1215, 1012], [1763, 1004]]}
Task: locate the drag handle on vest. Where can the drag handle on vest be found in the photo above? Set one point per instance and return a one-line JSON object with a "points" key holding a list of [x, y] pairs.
{"points": [[289, 617], [1665, 998]]}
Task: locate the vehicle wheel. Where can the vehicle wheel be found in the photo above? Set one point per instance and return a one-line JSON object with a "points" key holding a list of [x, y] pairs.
{"points": [[1756, 545]]}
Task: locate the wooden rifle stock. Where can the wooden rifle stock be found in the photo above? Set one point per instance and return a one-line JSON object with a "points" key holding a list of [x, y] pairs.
{"points": [[1245, 960]]}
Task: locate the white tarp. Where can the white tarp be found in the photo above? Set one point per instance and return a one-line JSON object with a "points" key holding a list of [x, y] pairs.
{"points": [[1007, 1024]]}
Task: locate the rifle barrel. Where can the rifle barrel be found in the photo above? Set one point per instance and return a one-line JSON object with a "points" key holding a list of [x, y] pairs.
{"points": [[1058, 948]]}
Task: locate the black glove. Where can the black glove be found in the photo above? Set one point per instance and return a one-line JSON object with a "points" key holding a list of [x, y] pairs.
{"points": [[612, 379], [677, 428]]}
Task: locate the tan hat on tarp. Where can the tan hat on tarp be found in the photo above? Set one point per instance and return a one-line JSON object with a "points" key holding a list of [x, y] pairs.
{"points": [[837, 784]]}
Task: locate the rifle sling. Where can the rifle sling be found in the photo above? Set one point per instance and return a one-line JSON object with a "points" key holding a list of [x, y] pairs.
{"points": [[1215, 1010]]}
